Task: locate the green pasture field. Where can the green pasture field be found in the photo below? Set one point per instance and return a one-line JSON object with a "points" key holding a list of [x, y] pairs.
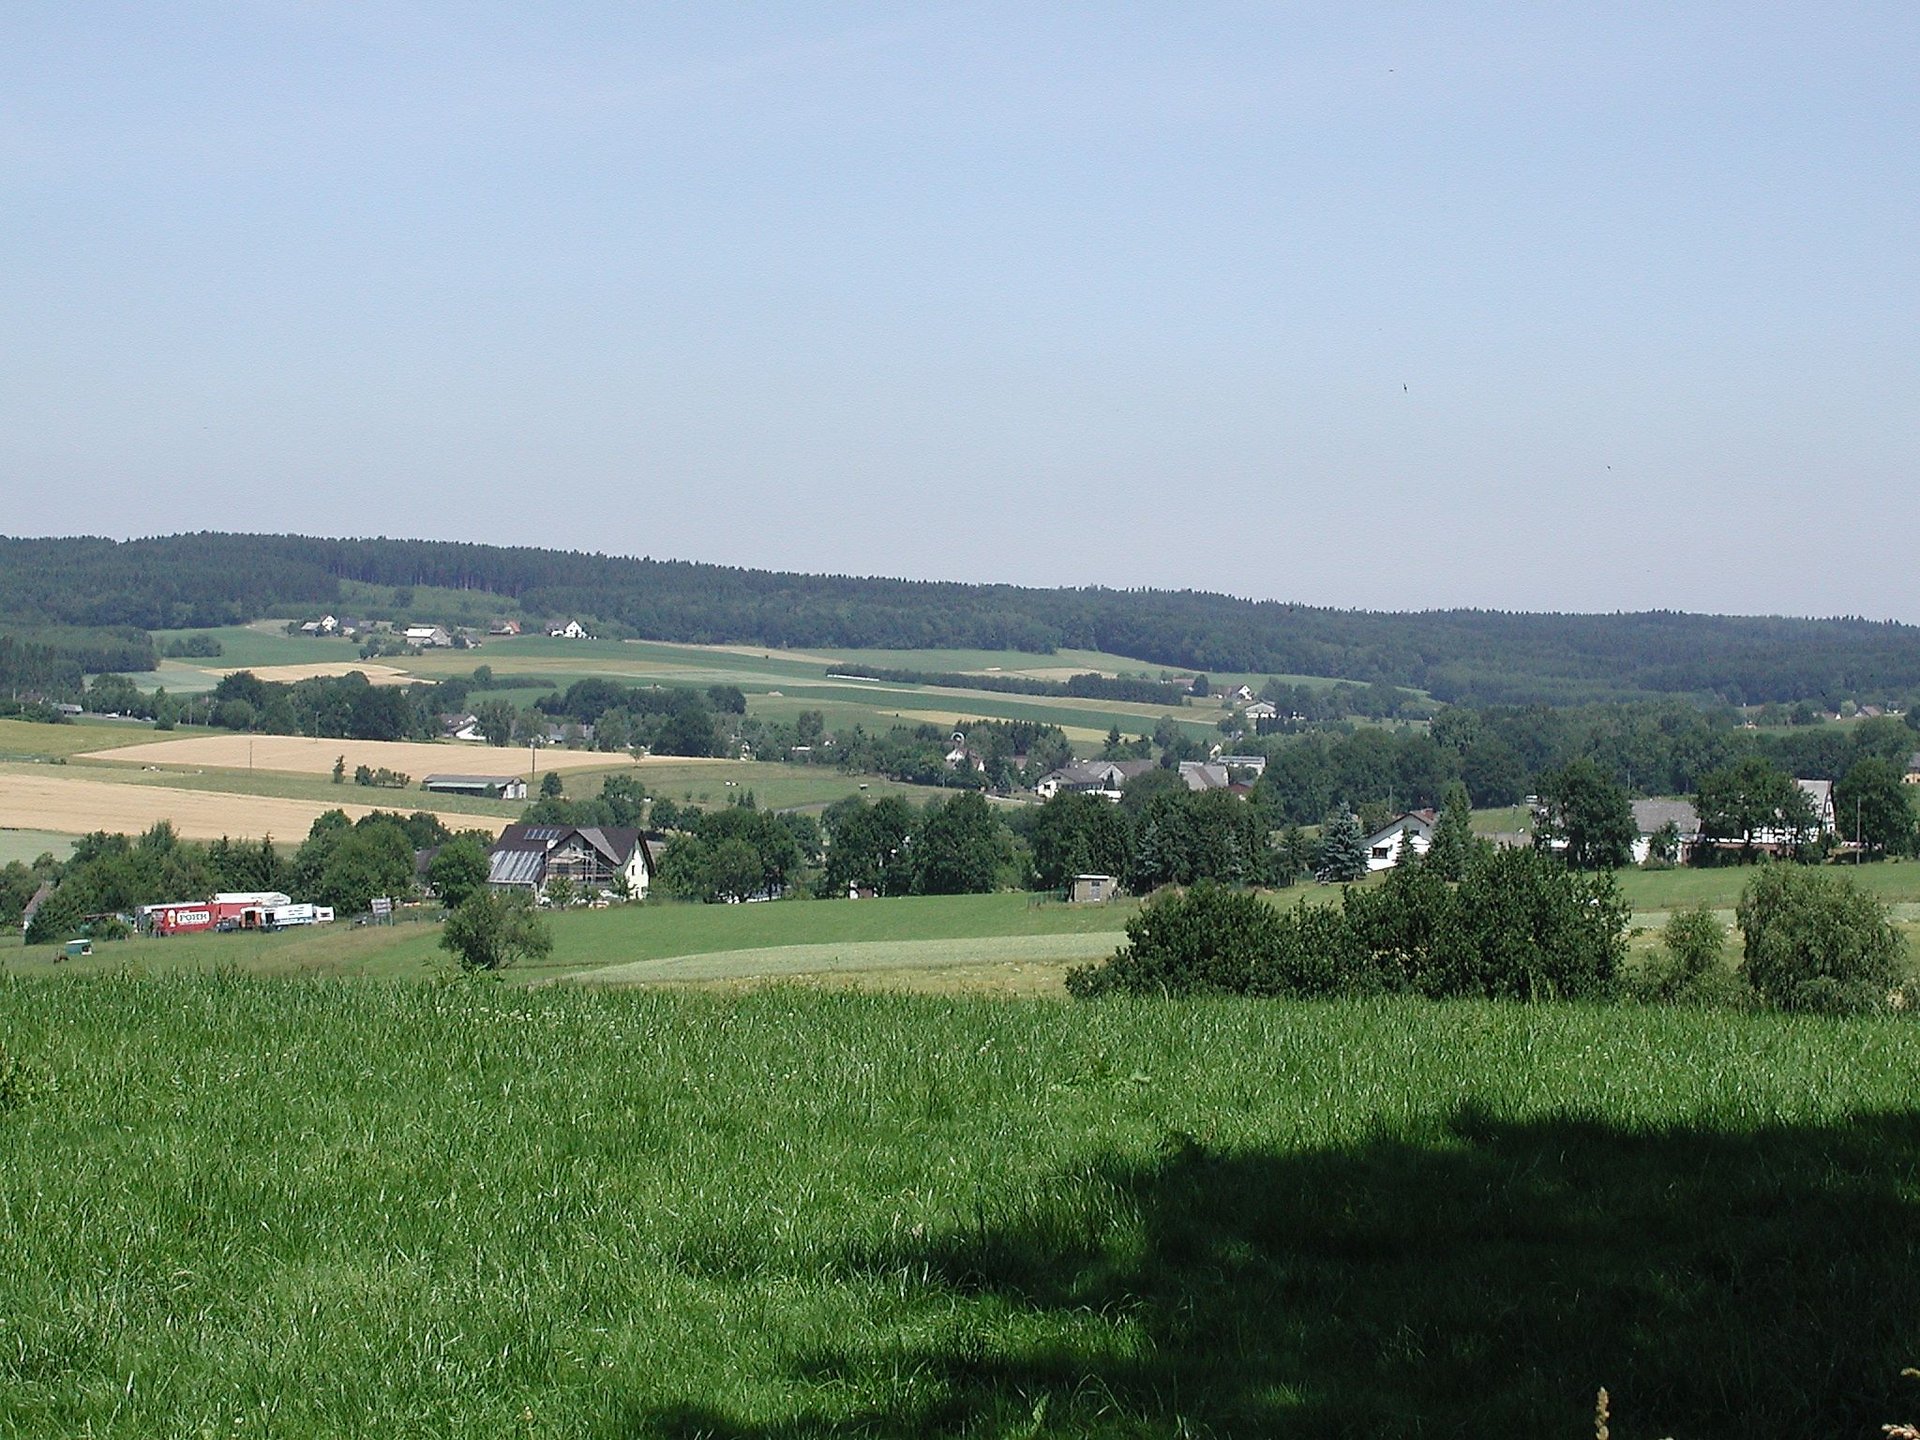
{"points": [[262, 643], [467, 1210], [654, 936], [29, 740], [775, 786], [1896, 881], [804, 684], [26, 846]]}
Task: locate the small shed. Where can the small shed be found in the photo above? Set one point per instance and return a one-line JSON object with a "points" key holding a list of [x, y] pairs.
{"points": [[79, 947], [1092, 889]]}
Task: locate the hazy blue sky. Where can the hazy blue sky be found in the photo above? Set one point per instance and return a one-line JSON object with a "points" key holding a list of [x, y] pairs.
{"points": [[1604, 306]]}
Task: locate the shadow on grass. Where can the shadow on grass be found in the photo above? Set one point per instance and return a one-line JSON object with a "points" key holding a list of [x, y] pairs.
{"points": [[1750, 1283]]}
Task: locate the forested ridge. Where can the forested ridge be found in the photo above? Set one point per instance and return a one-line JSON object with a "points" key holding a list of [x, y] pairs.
{"points": [[1460, 656]]}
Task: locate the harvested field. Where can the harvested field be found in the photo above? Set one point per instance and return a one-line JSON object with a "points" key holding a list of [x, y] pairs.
{"points": [[74, 805], [299, 755], [286, 674]]}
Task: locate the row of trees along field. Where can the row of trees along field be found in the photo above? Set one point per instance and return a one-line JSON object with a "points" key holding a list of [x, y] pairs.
{"points": [[1460, 656], [1515, 925], [664, 720]]}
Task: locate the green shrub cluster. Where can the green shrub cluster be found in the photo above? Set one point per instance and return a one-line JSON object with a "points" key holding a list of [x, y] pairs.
{"points": [[1816, 941], [1519, 926]]}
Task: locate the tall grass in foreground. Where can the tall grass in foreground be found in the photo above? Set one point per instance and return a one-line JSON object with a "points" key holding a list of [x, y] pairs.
{"points": [[234, 1207]]}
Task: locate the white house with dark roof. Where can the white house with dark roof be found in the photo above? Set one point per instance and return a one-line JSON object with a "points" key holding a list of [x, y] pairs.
{"points": [[1410, 833], [1092, 777]]}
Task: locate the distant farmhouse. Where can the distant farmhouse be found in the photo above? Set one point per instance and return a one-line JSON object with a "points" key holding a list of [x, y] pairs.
{"points": [[572, 630]]}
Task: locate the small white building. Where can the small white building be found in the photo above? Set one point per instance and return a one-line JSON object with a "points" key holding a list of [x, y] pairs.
{"points": [[1409, 833], [572, 630]]}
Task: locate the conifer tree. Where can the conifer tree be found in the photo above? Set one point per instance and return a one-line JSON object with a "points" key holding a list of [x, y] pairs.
{"points": [[1343, 848], [1453, 836]]}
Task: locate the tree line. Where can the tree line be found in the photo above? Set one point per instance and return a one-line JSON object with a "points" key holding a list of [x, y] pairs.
{"points": [[1458, 656]]}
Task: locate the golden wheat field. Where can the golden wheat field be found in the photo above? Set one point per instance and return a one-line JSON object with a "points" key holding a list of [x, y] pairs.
{"points": [[73, 805], [300, 755], [286, 674]]}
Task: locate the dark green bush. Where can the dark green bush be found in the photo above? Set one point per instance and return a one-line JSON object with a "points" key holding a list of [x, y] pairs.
{"points": [[1521, 926], [1816, 941]]}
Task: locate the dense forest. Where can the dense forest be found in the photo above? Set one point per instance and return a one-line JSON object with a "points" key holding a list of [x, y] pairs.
{"points": [[1460, 656]]}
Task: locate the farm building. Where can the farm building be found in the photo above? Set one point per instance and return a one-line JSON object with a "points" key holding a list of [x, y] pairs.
{"points": [[428, 637], [591, 857], [489, 787]]}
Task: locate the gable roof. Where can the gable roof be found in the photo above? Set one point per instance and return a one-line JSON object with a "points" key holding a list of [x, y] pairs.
{"points": [[522, 848], [1421, 822], [1650, 815], [1102, 773]]}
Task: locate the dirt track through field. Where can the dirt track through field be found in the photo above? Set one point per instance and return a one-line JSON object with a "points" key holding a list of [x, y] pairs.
{"points": [[299, 755], [839, 956], [76, 806]]}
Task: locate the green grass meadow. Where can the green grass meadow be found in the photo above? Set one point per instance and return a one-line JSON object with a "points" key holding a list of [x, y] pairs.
{"points": [[246, 1207], [645, 943]]}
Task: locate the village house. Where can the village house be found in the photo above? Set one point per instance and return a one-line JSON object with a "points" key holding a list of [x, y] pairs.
{"points": [[504, 628], [1091, 777], [962, 754], [591, 857], [1650, 817], [428, 637], [1204, 775], [1391, 843], [572, 630], [1259, 710]]}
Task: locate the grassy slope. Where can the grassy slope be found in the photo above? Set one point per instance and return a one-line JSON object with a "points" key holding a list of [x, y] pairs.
{"points": [[474, 1211], [589, 939]]}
